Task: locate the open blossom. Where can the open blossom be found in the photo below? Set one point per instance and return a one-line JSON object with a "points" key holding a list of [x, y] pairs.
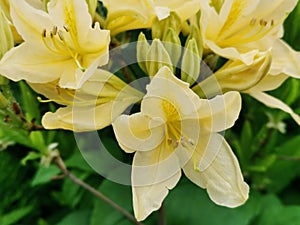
{"points": [[177, 130], [94, 106], [60, 44], [136, 14], [239, 29]]}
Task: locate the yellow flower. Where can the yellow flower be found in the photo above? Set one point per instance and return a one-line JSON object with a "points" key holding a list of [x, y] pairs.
{"points": [[284, 65], [242, 28], [136, 14], [177, 130], [59, 45], [94, 106]]}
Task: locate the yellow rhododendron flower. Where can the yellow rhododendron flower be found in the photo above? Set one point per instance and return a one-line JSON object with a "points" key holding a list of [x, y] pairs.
{"points": [[61, 44], [242, 28], [284, 64], [178, 130], [94, 106], [135, 14]]}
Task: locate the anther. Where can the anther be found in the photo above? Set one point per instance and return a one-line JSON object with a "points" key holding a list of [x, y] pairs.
{"points": [[54, 30], [252, 22], [51, 34], [44, 33], [169, 141], [66, 28], [263, 22], [191, 142], [272, 22], [60, 35]]}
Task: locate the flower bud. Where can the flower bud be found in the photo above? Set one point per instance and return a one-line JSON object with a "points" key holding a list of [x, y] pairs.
{"points": [[92, 4], [142, 50], [160, 27], [157, 57], [6, 37], [172, 44], [190, 67]]}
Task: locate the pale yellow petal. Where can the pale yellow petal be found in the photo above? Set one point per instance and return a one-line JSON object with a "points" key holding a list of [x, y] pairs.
{"points": [[273, 102], [162, 89], [72, 13], [243, 28], [88, 118], [139, 132], [33, 65], [285, 60], [154, 173], [29, 21], [220, 113], [222, 178], [269, 82]]}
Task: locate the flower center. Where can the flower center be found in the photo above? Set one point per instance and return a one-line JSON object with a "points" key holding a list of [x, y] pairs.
{"points": [[64, 43]]}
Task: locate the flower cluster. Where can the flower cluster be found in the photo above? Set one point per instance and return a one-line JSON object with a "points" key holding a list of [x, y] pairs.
{"points": [[201, 56]]}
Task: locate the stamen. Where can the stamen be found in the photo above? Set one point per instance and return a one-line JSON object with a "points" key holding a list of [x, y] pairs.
{"points": [[66, 28], [252, 22], [44, 33], [54, 30], [169, 141]]}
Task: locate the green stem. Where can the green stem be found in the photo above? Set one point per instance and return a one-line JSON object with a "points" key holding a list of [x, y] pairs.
{"points": [[61, 165]]}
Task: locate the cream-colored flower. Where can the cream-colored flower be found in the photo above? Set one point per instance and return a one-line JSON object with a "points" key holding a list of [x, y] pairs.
{"points": [[136, 14], [177, 130], [242, 28], [61, 44], [285, 64], [94, 106]]}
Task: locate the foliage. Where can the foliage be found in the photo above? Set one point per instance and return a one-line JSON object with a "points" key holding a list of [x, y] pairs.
{"points": [[266, 141]]}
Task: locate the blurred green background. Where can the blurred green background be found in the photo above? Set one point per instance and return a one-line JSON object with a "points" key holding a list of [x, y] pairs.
{"points": [[266, 141]]}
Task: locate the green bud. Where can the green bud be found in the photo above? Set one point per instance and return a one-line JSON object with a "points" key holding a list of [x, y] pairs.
{"points": [[92, 6], [217, 4], [172, 44], [195, 33], [142, 50], [160, 27], [190, 67], [3, 101], [157, 57], [6, 37], [235, 76]]}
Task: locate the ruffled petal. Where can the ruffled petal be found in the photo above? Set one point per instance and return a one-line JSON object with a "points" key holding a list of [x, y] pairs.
{"points": [[285, 60], [139, 132], [220, 113]]}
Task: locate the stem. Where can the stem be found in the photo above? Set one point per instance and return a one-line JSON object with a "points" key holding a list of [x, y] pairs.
{"points": [[162, 215], [61, 165]]}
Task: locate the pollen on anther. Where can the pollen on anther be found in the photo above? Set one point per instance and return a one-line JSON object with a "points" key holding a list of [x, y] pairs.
{"points": [[54, 30], [44, 33], [263, 22], [252, 22], [60, 35], [66, 28]]}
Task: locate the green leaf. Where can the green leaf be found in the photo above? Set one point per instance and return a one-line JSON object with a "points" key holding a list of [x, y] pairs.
{"points": [[15, 216], [44, 175], [29, 103], [189, 204], [103, 213], [13, 135], [79, 217]]}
